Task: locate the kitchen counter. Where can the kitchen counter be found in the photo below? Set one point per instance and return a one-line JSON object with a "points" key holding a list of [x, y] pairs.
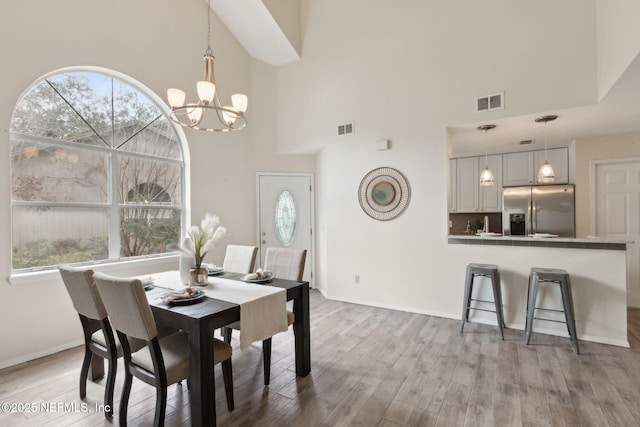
{"points": [[597, 268], [551, 242]]}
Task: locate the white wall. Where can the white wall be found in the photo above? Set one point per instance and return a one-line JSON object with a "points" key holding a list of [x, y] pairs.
{"points": [[161, 45], [405, 71], [618, 35]]}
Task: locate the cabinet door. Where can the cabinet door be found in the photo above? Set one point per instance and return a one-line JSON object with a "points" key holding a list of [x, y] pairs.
{"points": [[491, 196], [517, 169], [453, 179], [467, 184], [559, 161]]}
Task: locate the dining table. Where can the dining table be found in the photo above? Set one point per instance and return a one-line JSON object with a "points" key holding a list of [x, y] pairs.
{"points": [[199, 320]]}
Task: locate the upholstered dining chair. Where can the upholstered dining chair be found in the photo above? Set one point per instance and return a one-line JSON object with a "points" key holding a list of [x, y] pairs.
{"points": [[240, 259], [284, 263], [164, 361], [98, 335]]}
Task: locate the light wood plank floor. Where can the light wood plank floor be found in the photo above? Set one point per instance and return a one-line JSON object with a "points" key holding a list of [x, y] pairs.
{"points": [[376, 367]]}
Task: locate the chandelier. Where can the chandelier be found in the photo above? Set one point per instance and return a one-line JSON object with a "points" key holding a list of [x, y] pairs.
{"points": [[208, 113], [546, 174]]}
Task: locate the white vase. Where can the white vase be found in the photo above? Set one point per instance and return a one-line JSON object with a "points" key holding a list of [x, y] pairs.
{"points": [[186, 262]]}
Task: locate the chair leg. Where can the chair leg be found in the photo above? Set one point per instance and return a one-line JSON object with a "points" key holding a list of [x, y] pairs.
{"points": [[266, 359], [569, 316], [531, 305], [124, 399], [161, 405], [110, 386], [497, 297], [226, 334], [468, 288], [227, 375], [84, 370]]}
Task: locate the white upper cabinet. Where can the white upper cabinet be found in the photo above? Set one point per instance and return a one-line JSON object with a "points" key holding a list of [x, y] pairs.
{"points": [[522, 168], [467, 183], [491, 196], [466, 193], [517, 169]]}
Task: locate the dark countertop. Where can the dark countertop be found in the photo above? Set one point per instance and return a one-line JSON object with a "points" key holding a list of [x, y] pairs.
{"points": [[553, 242]]}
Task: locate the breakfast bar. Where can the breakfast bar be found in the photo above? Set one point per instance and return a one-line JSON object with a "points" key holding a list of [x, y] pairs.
{"points": [[598, 274]]}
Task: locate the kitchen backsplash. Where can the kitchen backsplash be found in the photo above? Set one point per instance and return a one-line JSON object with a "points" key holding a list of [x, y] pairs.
{"points": [[459, 222]]}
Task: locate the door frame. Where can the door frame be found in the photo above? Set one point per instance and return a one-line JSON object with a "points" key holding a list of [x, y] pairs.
{"points": [[593, 164], [312, 255]]}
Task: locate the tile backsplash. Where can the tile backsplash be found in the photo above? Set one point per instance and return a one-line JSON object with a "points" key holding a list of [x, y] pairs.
{"points": [[459, 222]]}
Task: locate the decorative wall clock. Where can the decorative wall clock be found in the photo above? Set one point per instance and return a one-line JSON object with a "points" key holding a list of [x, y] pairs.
{"points": [[384, 193]]}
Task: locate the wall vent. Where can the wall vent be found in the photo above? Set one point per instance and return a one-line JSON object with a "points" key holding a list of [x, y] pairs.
{"points": [[495, 101], [526, 142], [345, 129]]}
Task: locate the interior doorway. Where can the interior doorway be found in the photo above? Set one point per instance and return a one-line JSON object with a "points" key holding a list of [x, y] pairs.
{"points": [[285, 215], [617, 213]]}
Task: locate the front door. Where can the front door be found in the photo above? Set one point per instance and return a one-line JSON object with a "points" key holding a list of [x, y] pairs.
{"points": [[618, 214], [285, 215]]}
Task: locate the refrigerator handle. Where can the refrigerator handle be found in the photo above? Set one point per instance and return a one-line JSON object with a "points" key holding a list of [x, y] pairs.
{"points": [[534, 218], [529, 218]]}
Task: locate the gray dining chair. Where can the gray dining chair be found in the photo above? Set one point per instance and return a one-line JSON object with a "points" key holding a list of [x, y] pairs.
{"points": [[97, 332], [283, 263], [164, 361], [240, 259]]}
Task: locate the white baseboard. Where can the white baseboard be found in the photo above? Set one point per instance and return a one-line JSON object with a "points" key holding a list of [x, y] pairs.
{"points": [[39, 354]]}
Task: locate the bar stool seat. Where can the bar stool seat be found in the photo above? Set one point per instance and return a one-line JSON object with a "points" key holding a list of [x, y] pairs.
{"points": [[485, 270], [561, 278]]}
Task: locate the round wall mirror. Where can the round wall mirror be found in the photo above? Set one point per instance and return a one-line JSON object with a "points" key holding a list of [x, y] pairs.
{"points": [[384, 193]]}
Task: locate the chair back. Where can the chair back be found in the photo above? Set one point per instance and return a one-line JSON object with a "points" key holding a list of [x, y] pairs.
{"points": [[83, 292], [240, 259], [285, 263], [127, 305]]}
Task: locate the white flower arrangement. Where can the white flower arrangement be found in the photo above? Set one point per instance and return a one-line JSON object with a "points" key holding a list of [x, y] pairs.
{"points": [[203, 238]]}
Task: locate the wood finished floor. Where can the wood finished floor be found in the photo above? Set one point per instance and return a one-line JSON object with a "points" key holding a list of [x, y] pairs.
{"points": [[376, 367]]}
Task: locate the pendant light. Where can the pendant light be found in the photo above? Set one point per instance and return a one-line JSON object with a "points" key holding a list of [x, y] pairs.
{"points": [[486, 176], [546, 174]]}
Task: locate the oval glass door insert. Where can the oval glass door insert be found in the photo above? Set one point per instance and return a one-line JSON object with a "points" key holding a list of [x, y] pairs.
{"points": [[285, 218]]}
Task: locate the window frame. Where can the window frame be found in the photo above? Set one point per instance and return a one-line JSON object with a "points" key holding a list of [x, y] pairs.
{"points": [[36, 274]]}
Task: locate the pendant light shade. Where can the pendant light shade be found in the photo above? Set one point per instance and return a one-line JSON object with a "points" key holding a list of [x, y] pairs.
{"points": [[486, 176], [545, 173]]}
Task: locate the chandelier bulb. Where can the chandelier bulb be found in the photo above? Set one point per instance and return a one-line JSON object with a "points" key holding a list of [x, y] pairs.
{"points": [[176, 97], [240, 102], [206, 91]]}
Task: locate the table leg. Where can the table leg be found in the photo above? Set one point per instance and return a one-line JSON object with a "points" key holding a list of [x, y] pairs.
{"points": [[96, 371], [202, 396], [302, 331]]}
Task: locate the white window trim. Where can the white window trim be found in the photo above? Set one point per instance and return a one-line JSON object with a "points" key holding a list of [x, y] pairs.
{"points": [[152, 260]]}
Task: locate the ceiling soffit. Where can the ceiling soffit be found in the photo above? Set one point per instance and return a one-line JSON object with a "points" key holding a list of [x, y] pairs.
{"points": [[269, 31]]}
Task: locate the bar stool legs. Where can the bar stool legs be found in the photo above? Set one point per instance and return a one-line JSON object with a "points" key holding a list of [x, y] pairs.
{"points": [[492, 272], [561, 278]]}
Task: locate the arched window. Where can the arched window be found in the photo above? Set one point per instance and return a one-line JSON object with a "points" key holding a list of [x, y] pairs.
{"points": [[97, 172]]}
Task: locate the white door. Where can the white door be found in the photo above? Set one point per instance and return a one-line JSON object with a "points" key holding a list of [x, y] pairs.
{"points": [[618, 215], [285, 215]]}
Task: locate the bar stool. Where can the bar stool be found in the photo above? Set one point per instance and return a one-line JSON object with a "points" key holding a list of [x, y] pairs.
{"points": [[484, 270], [561, 278]]}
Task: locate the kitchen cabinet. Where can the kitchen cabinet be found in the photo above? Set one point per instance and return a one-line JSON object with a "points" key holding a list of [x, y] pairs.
{"points": [[466, 193], [522, 168]]}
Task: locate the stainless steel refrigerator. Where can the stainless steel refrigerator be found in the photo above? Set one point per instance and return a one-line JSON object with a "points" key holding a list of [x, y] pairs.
{"points": [[543, 209]]}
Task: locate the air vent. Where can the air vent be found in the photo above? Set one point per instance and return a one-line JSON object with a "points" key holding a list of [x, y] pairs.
{"points": [[526, 142], [494, 101], [345, 129]]}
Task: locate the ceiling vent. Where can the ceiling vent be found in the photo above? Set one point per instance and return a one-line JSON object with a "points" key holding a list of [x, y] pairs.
{"points": [[526, 142], [494, 101], [345, 129]]}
